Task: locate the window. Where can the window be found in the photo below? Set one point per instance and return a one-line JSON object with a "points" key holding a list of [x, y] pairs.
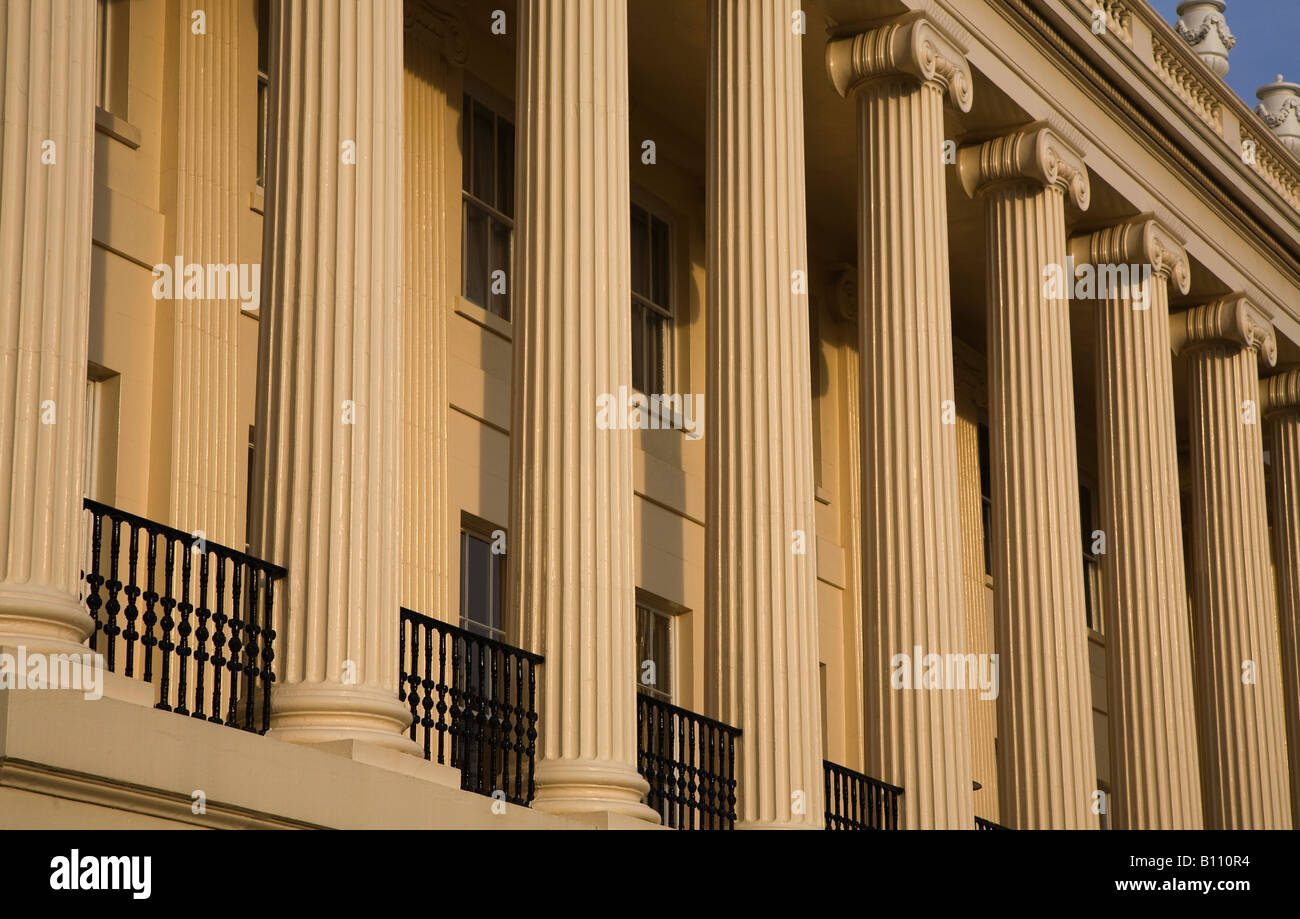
{"points": [[263, 83], [111, 47], [482, 578], [986, 497], [654, 652], [487, 228], [1091, 564], [651, 302]]}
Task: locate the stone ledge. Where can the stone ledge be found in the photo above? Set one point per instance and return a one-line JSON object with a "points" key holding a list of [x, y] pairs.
{"points": [[121, 762]]}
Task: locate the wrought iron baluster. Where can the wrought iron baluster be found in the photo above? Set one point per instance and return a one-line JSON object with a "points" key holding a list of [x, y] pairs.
{"points": [[112, 606], [254, 627], [184, 629], [235, 643], [165, 644], [219, 619], [150, 638], [94, 580], [201, 635], [268, 649], [132, 591]]}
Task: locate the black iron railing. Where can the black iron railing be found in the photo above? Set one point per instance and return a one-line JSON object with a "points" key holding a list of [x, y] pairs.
{"points": [[690, 763], [473, 698], [982, 824], [858, 802], [189, 615]]}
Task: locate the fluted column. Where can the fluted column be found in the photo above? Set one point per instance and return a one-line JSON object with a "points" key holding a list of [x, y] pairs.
{"points": [[330, 368], [916, 737], [1047, 767], [977, 602], [571, 515], [205, 445], [47, 105], [434, 45], [761, 600], [1280, 403], [1238, 674], [1156, 782]]}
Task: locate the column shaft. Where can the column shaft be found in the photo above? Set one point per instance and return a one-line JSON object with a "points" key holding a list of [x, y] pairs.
{"points": [[330, 367], [1238, 673], [1280, 399], [434, 44], [47, 97], [977, 601], [205, 443], [761, 603], [1047, 759], [570, 558], [1155, 779], [916, 737]]}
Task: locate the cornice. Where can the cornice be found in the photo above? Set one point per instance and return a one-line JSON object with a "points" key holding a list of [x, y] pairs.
{"points": [[913, 45], [426, 21], [1232, 319], [1145, 240], [1037, 153]]}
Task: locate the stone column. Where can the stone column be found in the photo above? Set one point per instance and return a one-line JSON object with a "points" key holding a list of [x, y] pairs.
{"points": [[330, 368], [918, 738], [570, 558], [47, 93], [761, 601], [203, 201], [1047, 763], [1280, 405], [434, 46], [977, 601], [1156, 783], [1238, 674]]}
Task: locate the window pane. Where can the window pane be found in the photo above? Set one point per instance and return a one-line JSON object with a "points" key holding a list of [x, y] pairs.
{"points": [[654, 352], [466, 143], [638, 348], [640, 252], [262, 94], [499, 303], [263, 35], [476, 583], [660, 263], [484, 177], [653, 645], [476, 255], [505, 167]]}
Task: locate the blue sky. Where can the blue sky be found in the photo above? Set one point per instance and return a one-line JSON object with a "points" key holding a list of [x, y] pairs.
{"points": [[1268, 41]]}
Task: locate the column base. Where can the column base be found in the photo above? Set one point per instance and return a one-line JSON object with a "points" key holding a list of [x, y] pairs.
{"points": [[42, 619], [322, 713], [591, 787]]}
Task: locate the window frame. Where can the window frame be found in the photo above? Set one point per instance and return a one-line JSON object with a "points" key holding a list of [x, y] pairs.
{"points": [[263, 16], [482, 530], [502, 110], [659, 609], [655, 210]]}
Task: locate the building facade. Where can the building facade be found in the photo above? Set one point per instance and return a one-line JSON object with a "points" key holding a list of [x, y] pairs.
{"points": [[848, 413]]}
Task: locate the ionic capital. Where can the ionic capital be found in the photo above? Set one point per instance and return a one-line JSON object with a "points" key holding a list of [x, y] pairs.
{"points": [[442, 29], [1036, 154], [1232, 319], [1145, 240], [914, 45], [1280, 393]]}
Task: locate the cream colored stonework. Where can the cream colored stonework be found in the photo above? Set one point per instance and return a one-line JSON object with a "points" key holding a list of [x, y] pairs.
{"points": [[860, 197]]}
